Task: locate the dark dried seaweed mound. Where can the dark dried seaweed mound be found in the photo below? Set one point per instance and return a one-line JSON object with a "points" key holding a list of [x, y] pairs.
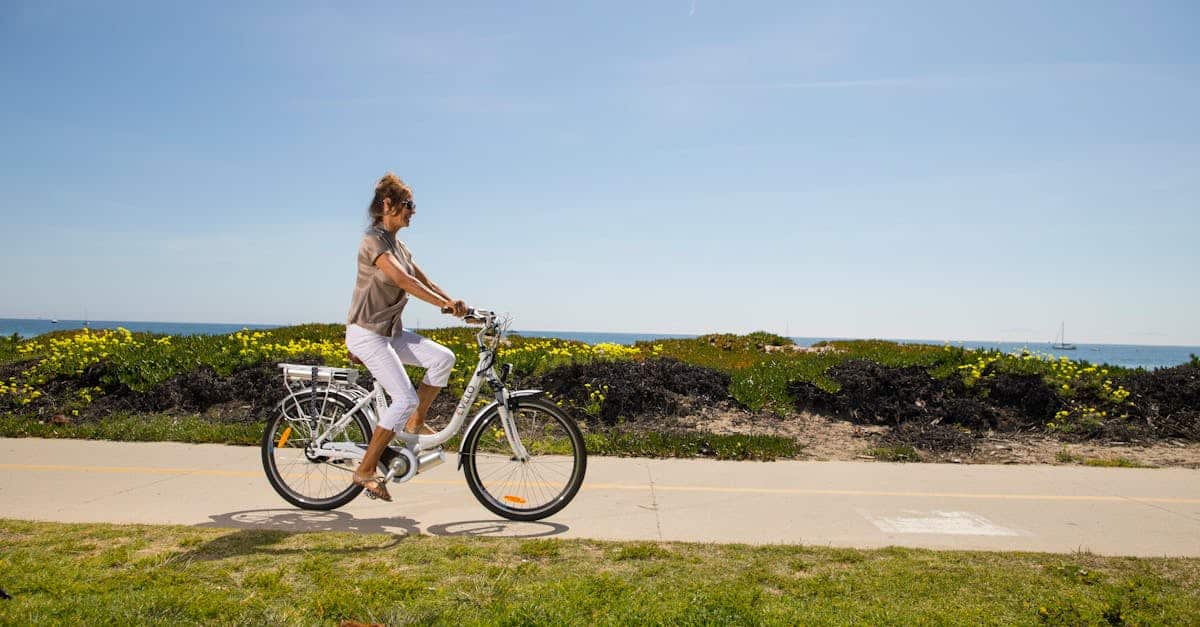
{"points": [[938, 438], [636, 389], [1168, 400], [880, 395], [1026, 395], [1163, 403]]}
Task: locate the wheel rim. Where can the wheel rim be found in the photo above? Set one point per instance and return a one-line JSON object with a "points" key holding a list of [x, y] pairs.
{"points": [[536, 484], [301, 470]]}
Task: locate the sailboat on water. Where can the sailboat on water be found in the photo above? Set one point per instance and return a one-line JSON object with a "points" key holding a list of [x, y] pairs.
{"points": [[1060, 341]]}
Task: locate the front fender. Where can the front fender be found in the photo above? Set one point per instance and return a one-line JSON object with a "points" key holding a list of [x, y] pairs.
{"points": [[492, 406]]}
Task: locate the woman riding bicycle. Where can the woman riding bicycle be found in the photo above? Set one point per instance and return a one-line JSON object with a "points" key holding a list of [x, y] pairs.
{"points": [[387, 274]]}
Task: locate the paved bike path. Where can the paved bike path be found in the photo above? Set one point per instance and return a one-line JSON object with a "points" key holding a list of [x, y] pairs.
{"points": [[1111, 511]]}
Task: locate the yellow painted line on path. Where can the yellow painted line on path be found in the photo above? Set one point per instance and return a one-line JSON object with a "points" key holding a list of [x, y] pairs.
{"points": [[644, 487], [131, 469], [948, 495]]}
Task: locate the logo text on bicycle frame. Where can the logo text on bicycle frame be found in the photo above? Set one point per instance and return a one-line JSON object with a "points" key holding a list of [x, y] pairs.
{"points": [[466, 401]]}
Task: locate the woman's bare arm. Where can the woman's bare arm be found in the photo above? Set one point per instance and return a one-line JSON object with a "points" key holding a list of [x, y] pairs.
{"points": [[409, 283], [421, 276]]}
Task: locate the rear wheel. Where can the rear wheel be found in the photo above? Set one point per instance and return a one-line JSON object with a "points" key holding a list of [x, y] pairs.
{"points": [[297, 471], [535, 488]]}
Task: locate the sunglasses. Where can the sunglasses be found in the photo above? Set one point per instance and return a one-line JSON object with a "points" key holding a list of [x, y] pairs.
{"points": [[409, 204]]}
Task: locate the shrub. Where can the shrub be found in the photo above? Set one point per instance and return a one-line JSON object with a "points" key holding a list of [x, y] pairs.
{"points": [[764, 338], [752, 341], [8, 347]]}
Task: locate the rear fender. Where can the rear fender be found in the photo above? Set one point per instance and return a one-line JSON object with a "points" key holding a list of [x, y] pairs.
{"points": [[302, 395]]}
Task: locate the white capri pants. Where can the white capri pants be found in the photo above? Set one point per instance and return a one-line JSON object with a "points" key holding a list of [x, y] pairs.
{"points": [[385, 358]]}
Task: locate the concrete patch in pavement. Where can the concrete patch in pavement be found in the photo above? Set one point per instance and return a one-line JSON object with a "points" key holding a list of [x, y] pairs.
{"points": [[951, 523]]}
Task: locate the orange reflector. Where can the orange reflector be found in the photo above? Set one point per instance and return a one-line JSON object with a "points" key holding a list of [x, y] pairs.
{"points": [[283, 438], [514, 499]]}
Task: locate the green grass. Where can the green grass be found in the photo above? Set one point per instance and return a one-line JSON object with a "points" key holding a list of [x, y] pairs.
{"points": [[136, 428], [1065, 456], [134, 574], [194, 429], [1113, 462], [898, 453], [743, 447]]}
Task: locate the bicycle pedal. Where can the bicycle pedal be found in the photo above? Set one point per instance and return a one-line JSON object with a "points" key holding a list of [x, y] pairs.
{"points": [[387, 458]]}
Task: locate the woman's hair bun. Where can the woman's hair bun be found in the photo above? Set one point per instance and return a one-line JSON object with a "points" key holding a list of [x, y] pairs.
{"points": [[391, 187], [389, 180]]}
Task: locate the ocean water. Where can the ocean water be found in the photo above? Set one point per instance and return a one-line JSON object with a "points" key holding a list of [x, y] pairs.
{"points": [[29, 328], [1127, 355]]}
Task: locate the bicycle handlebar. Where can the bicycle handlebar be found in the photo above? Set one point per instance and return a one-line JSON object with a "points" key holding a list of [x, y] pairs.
{"points": [[474, 316], [479, 316]]}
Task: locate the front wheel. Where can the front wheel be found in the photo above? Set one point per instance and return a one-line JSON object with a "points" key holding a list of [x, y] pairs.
{"points": [[531, 489]]}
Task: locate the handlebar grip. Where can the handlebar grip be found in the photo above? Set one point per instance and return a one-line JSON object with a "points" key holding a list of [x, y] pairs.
{"points": [[472, 316]]}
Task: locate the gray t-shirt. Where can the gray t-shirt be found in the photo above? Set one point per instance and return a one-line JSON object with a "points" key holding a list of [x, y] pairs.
{"points": [[377, 303]]}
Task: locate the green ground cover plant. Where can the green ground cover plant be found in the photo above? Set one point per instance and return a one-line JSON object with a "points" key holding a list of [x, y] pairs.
{"points": [[110, 376], [139, 574], [140, 361]]}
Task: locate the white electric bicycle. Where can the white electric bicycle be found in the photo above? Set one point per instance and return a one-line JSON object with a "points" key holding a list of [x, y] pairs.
{"points": [[523, 456]]}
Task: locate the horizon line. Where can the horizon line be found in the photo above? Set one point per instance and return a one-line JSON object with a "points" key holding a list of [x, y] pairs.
{"points": [[663, 334]]}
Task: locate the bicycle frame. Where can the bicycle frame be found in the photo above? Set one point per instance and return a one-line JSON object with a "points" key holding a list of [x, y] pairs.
{"points": [[372, 403]]}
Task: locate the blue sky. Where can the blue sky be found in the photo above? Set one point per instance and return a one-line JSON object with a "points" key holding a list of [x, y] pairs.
{"points": [[939, 170]]}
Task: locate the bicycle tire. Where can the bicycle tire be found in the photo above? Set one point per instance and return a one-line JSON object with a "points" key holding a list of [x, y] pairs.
{"points": [[272, 436], [489, 425]]}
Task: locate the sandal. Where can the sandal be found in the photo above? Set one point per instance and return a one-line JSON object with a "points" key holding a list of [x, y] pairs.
{"points": [[425, 430], [374, 487]]}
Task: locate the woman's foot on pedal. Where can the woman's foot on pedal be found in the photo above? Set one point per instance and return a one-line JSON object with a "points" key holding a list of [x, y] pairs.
{"points": [[424, 429], [375, 487]]}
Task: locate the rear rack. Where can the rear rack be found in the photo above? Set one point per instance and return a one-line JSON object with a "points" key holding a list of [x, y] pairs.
{"points": [[301, 373]]}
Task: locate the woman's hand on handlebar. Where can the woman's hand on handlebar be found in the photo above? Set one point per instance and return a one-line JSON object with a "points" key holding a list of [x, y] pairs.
{"points": [[458, 308]]}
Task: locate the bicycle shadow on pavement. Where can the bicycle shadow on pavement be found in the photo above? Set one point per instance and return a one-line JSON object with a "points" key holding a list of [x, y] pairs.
{"points": [[499, 528], [260, 529]]}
